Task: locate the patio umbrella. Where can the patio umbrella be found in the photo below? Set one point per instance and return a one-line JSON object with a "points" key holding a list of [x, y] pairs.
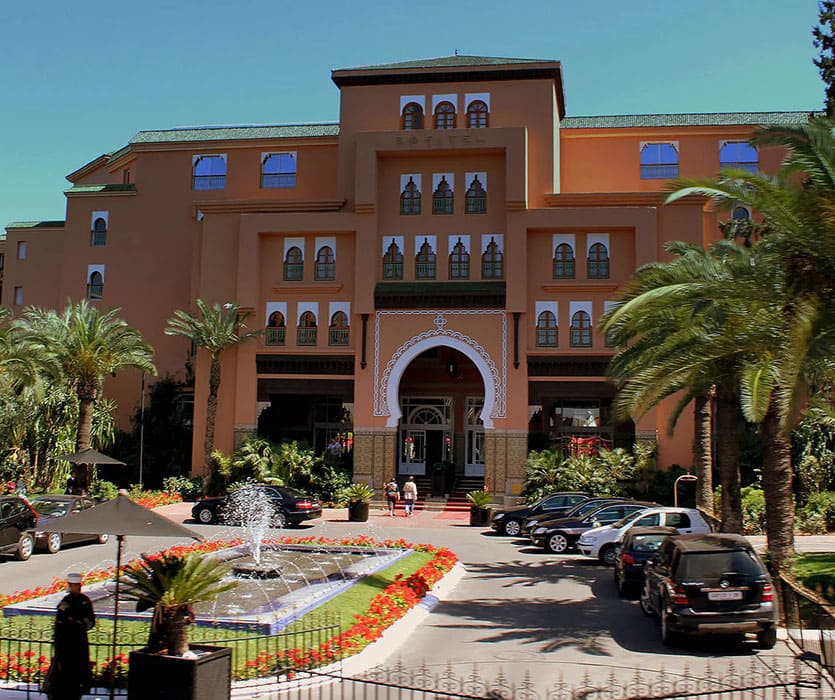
{"points": [[121, 517], [89, 456]]}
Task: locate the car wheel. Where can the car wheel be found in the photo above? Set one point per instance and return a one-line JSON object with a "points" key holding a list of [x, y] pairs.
{"points": [[767, 638], [53, 542], [25, 547], [607, 555], [206, 516], [280, 520], [557, 543], [669, 637], [512, 528], [646, 605], [102, 539]]}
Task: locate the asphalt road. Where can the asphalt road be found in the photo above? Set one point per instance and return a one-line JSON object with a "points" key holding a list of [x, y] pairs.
{"points": [[518, 611]]}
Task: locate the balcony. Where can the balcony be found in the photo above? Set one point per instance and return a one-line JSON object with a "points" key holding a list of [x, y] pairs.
{"points": [[338, 336], [275, 336], [306, 336]]}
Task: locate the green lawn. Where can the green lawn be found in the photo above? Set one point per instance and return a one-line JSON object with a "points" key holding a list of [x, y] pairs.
{"points": [[817, 572]]}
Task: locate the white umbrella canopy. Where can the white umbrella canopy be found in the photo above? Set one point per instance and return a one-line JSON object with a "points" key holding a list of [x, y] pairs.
{"points": [[121, 517]]}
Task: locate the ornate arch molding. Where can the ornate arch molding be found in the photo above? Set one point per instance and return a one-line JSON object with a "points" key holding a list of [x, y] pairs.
{"points": [[387, 381]]}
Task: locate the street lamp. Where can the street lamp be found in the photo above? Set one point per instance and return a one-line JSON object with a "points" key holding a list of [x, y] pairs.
{"points": [[683, 477]]}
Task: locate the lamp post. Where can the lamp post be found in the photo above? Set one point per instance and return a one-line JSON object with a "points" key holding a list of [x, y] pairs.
{"points": [[141, 429], [683, 477]]}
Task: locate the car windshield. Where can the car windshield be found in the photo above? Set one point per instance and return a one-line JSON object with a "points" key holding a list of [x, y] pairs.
{"points": [[47, 506], [625, 520], [647, 543], [583, 508], [711, 565]]}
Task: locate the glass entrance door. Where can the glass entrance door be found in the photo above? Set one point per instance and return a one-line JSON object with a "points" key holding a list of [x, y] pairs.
{"points": [[474, 465], [425, 433]]}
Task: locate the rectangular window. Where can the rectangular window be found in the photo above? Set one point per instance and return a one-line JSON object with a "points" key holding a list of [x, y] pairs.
{"points": [[278, 170], [546, 337], [392, 270], [659, 161], [738, 155], [18, 296], [209, 172], [21, 250]]}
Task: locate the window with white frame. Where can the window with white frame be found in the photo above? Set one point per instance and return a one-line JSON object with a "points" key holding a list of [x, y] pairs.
{"points": [[659, 161], [338, 330], [442, 196], [445, 115], [325, 263], [412, 116], [492, 259], [475, 200], [459, 261], [98, 229], [580, 331], [278, 170], [294, 264], [393, 259], [307, 330], [547, 330], [208, 172], [410, 194], [598, 262], [276, 330], [95, 282], [425, 260]]}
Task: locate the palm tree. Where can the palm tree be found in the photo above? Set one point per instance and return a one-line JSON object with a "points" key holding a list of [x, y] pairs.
{"points": [[214, 329], [172, 585], [80, 346]]}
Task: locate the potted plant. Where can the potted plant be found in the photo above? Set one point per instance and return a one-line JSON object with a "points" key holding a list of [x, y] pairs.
{"points": [[358, 496], [480, 502], [169, 667]]}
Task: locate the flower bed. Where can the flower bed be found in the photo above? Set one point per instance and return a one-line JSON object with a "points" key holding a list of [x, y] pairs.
{"points": [[154, 499], [388, 606]]}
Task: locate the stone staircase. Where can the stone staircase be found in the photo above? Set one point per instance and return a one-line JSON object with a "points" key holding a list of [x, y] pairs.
{"points": [[456, 501]]}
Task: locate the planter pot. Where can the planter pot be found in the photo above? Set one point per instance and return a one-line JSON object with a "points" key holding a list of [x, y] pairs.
{"points": [[358, 511], [479, 516], [159, 677], [438, 483]]}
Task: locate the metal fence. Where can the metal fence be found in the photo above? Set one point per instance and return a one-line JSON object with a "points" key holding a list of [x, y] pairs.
{"points": [[810, 622]]}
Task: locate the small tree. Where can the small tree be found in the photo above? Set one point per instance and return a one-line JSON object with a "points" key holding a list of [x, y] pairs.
{"points": [[824, 39]]}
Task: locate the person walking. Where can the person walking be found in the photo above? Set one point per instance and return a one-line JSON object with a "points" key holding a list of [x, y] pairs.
{"points": [[69, 673], [392, 495], [410, 496]]}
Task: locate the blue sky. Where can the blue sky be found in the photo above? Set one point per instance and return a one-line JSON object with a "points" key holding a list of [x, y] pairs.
{"points": [[81, 78]]}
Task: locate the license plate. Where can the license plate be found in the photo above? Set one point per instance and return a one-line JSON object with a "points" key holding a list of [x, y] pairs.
{"points": [[724, 595]]}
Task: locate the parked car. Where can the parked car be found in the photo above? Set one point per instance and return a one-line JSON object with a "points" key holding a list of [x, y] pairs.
{"points": [[638, 545], [600, 542], [53, 508], [17, 518], [587, 506], [290, 507], [562, 535], [709, 584], [509, 521]]}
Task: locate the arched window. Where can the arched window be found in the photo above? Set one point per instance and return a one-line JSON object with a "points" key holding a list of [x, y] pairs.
{"points": [[546, 330], [294, 264], [564, 262], [659, 161], [445, 115], [95, 287], [459, 262], [741, 213], [338, 331], [475, 201], [278, 170], [393, 263], [581, 330], [739, 155], [425, 262], [598, 264], [410, 198], [276, 328], [306, 332], [477, 114], [412, 116], [209, 173], [442, 198], [325, 264], [99, 233], [492, 262]]}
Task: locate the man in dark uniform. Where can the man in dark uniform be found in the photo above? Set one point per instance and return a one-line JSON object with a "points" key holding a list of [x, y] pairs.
{"points": [[70, 677]]}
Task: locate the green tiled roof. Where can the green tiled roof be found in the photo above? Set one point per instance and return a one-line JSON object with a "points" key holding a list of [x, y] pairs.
{"points": [[36, 224], [451, 62], [708, 119], [101, 188], [235, 133]]}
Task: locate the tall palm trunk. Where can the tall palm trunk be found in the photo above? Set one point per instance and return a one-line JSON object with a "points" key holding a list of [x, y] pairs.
{"points": [[211, 414], [777, 486], [729, 452], [703, 452], [87, 393]]}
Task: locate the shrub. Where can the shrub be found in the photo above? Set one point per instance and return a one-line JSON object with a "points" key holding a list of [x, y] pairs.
{"points": [[549, 471], [480, 499], [753, 510], [103, 490], [355, 493], [818, 513], [187, 488]]}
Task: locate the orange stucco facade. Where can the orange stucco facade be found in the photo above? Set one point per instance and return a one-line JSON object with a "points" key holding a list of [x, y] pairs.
{"points": [[459, 329]]}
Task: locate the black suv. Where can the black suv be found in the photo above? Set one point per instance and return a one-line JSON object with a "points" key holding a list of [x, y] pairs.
{"points": [[509, 521], [289, 506], [17, 520], [709, 584]]}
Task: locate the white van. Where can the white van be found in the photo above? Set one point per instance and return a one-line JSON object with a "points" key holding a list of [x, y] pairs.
{"points": [[600, 542]]}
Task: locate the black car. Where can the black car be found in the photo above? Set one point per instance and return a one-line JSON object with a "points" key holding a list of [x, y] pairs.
{"points": [[51, 509], [578, 511], [561, 535], [509, 521], [290, 507], [709, 584], [16, 522], [638, 546]]}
